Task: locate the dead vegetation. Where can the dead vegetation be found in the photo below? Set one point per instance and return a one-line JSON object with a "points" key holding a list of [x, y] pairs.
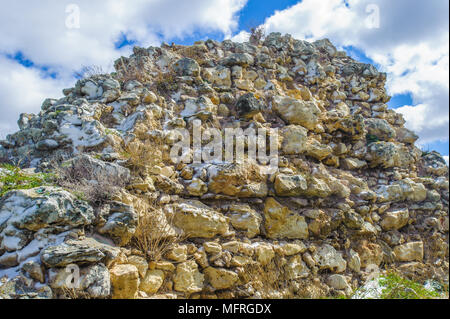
{"points": [[132, 71], [72, 293], [89, 71], [82, 180], [257, 35], [265, 279], [155, 235]]}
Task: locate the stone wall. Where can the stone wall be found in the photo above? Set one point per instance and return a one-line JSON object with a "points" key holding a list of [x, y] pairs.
{"points": [[351, 193]]}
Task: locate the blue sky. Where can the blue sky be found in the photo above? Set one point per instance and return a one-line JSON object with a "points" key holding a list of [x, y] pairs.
{"points": [[410, 43]]}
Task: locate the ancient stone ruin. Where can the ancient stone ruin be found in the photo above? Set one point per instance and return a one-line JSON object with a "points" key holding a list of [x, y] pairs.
{"points": [[101, 209]]}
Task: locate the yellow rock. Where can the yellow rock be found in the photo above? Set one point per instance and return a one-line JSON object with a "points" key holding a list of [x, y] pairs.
{"points": [[294, 139], [244, 218], [187, 277], [395, 220], [140, 263], [280, 222], [198, 220], [305, 113], [152, 281], [296, 268], [264, 253], [412, 251], [178, 253], [221, 278], [124, 281]]}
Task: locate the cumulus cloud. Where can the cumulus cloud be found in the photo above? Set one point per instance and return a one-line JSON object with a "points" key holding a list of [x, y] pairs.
{"points": [[408, 39], [39, 31], [21, 91]]}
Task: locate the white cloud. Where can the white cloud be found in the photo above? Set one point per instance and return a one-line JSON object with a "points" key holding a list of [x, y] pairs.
{"points": [[22, 90], [446, 158], [410, 44], [38, 30]]}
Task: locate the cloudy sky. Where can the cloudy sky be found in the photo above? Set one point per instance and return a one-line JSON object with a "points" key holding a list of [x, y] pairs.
{"points": [[43, 43]]}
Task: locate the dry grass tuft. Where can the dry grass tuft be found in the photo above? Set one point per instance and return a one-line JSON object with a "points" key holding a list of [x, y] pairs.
{"points": [[72, 293], [89, 71], [264, 279], [154, 235]]}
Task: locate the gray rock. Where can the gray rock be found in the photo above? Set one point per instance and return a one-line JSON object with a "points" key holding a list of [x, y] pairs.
{"points": [[47, 145], [93, 280], [186, 67], [41, 207], [379, 128], [21, 287], [74, 253], [121, 223], [247, 105], [34, 270], [242, 59], [100, 168]]}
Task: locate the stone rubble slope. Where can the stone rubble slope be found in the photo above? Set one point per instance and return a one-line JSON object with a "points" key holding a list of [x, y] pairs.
{"points": [[352, 191]]}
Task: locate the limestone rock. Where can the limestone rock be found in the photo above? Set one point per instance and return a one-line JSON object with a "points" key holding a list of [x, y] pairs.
{"points": [[242, 217], [152, 281], [294, 139], [328, 258], [124, 281], [197, 219], [121, 223], [64, 254], [37, 208], [395, 219], [412, 251], [338, 282], [293, 111], [187, 278], [220, 278], [290, 185], [281, 222]]}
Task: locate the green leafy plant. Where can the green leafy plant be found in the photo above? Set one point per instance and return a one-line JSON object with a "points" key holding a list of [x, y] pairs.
{"points": [[12, 177], [371, 139], [397, 287]]}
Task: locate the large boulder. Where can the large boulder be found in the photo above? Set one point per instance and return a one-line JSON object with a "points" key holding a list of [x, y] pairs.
{"points": [[41, 207]]}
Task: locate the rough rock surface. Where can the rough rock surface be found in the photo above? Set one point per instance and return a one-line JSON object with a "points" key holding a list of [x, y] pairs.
{"points": [[350, 192]]}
